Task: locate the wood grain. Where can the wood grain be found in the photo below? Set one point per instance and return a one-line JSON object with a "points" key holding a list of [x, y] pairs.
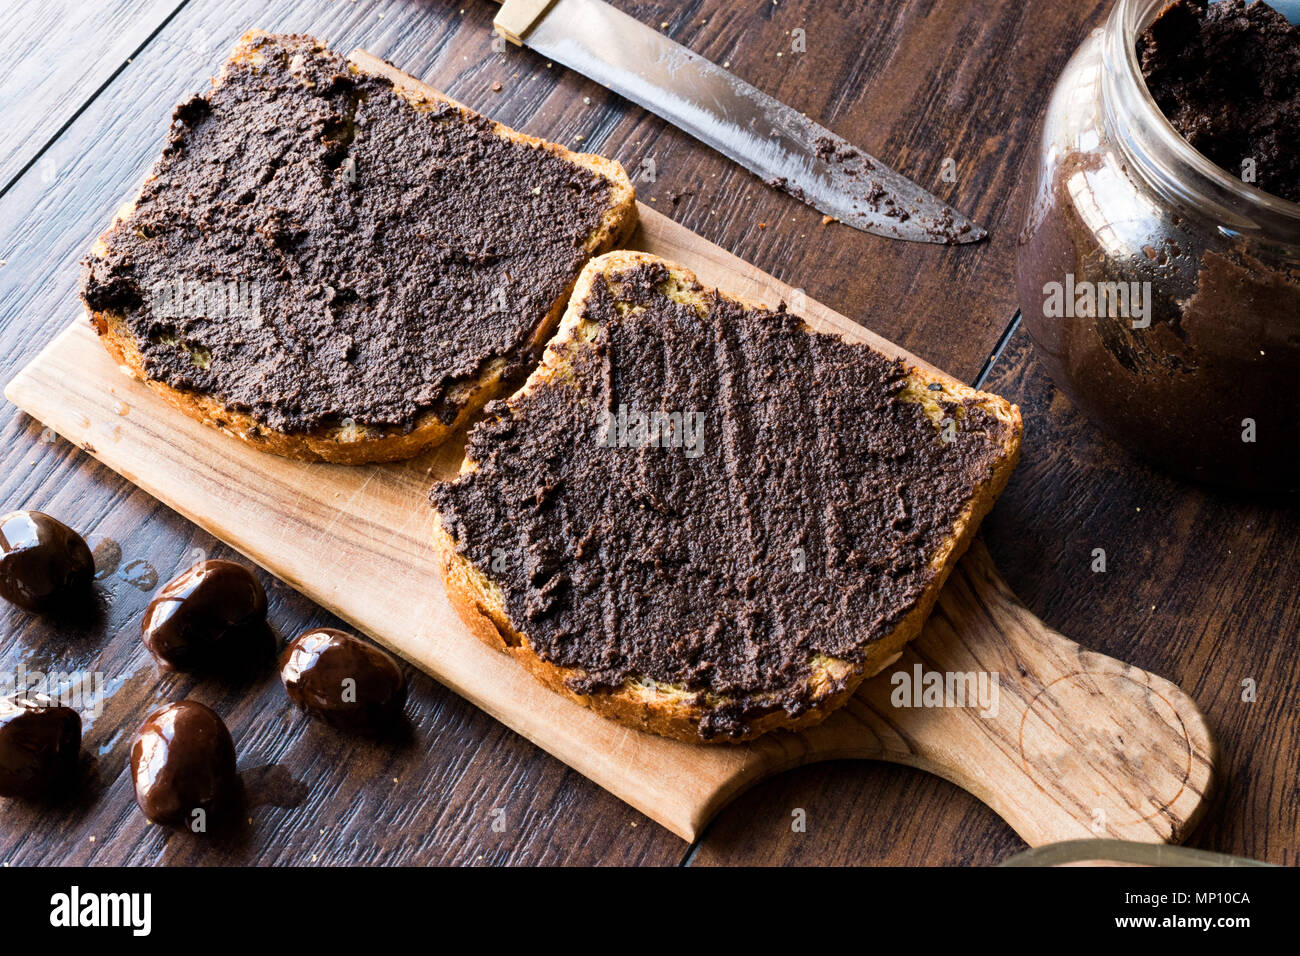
{"points": [[1073, 743], [460, 765], [317, 796], [47, 74], [914, 83]]}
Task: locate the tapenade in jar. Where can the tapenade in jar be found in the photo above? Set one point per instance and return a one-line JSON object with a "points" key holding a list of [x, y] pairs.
{"points": [[1162, 290]]}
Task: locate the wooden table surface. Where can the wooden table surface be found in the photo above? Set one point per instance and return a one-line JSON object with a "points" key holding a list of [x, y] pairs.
{"points": [[1201, 586]]}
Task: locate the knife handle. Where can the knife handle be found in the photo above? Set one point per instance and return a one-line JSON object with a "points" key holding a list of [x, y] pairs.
{"points": [[517, 17]]}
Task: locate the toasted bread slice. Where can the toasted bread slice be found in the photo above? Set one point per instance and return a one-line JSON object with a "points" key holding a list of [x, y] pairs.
{"points": [[623, 553], [329, 414]]}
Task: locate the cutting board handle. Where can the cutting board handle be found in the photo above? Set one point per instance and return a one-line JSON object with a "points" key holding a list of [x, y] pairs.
{"points": [[1066, 744]]}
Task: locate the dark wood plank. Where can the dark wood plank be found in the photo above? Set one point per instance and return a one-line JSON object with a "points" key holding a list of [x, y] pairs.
{"points": [[1201, 587], [54, 56], [856, 814]]}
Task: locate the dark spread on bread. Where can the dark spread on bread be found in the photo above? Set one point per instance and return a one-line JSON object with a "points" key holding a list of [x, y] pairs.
{"points": [[798, 522], [1227, 75], [314, 252]]}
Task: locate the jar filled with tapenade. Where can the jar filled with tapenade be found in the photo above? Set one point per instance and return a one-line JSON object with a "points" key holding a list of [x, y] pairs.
{"points": [[1159, 267]]}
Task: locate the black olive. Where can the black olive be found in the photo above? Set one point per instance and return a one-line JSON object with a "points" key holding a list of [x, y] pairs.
{"points": [[183, 767], [211, 617], [39, 744], [341, 680], [44, 564]]}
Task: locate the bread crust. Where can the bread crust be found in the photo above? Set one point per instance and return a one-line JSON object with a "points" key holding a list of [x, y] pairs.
{"points": [[351, 444], [674, 713]]}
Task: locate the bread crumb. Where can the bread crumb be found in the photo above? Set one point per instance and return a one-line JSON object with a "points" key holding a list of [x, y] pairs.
{"points": [[496, 86], [827, 220], [762, 225]]}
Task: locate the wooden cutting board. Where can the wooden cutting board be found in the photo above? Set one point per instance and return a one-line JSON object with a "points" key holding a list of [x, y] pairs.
{"points": [[1079, 744]]}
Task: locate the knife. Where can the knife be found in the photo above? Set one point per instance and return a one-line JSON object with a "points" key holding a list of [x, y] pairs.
{"points": [[768, 138]]}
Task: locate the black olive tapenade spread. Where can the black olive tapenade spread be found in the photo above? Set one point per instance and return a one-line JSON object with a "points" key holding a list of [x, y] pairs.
{"points": [[792, 508], [1227, 75], [312, 249]]}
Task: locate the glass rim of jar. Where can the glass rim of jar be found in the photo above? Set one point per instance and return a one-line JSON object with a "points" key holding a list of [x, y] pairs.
{"points": [[1160, 153]]}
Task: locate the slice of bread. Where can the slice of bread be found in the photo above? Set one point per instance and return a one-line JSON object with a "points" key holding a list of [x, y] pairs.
{"points": [[324, 423], [670, 549]]}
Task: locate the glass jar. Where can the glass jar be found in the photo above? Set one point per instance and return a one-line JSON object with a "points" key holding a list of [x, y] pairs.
{"points": [[1162, 293]]}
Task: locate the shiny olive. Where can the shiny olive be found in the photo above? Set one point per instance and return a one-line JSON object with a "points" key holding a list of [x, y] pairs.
{"points": [[183, 767], [212, 616], [341, 680], [44, 564], [39, 745]]}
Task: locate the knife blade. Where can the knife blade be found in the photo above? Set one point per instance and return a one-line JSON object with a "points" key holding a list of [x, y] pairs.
{"points": [[762, 134]]}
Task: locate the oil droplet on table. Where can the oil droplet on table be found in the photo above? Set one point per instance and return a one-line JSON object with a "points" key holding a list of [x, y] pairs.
{"points": [[141, 574], [108, 555]]}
